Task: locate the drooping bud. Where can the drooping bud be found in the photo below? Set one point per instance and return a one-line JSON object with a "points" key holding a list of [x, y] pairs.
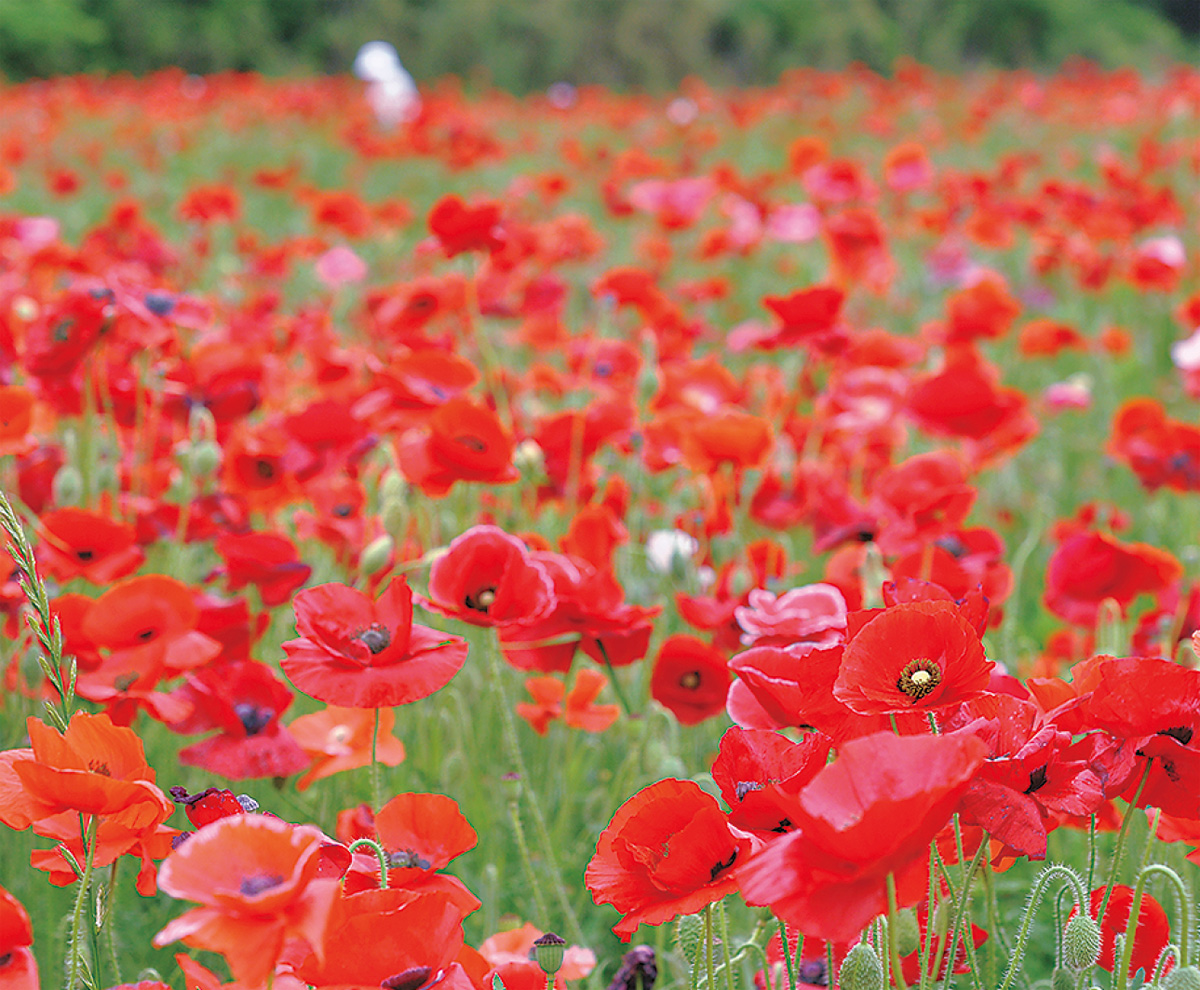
{"points": [[689, 930], [549, 950], [204, 458], [862, 969], [1081, 943], [376, 554]]}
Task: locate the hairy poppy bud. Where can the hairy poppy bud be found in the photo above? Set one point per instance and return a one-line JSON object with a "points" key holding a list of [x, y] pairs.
{"points": [[204, 458], [376, 554], [1183, 978], [1081, 943], [861, 969], [1062, 979], [68, 485], [391, 489], [549, 950], [689, 929], [908, 932]]}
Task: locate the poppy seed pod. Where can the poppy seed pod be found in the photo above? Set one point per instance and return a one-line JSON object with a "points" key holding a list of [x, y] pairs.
{"points": [[549, 950], [1081, 943], [861, 969]]}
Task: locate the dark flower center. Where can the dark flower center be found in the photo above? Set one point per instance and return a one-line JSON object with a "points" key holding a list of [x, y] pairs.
{"points": [[264, 469], [744, 787], [404, 859], [919, 677], [472, 443], [784, 825], [253, 718], [1180, 733], [719, 868], [813, 973], [100, 767], [146, 635], [85, 555], [482, 600], [1037, 780], [5, 959], [342, 511], [375, 638], [257, 883], [690, 680], [409, 979]]}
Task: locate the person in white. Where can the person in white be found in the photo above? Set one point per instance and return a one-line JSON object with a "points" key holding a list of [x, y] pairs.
{"points": [[391, 91]]}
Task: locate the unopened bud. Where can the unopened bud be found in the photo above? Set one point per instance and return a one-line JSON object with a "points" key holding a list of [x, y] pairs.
{"points": [[1081, 943], [861, 969], [689, 930], [376, 555], [201, 424], [549, 950], [908, 932], [391, 488], [204, 458], [1062, 979], [1183, 978], [394, 516], [68, 485]]}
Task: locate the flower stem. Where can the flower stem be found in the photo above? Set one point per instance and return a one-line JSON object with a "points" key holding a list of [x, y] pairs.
{"points": [[75, 950], [725, 945], [893, 925], [787, 955], [380, 854], [708, 946], [376, 773], [514, 814], [512, 742], [1120, 846], [615, 681]]}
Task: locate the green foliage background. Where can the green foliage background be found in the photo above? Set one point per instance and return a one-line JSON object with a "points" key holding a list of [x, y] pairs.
{"points": [[522, 45]]}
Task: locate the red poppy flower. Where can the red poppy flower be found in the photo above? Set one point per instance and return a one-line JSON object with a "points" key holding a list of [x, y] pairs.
{"points": [[244, 701], [387, 938], [1089, 567], [461, 441], [94, 768], [16, 420], [269, 561], [669, 850], [1149, 939], [460, 227], [363, 654], [18, 968], [760, 772], [870, 813], [338, 739], [1159, 450], [79, 543], [690, 679], [915, 655], [814, 613], [256, 879], [578, 710], [808, 315], [422, 833], [488, 578]]}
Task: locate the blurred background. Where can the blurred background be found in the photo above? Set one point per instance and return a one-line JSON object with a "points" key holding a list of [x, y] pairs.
{"points": [[524, 45]]}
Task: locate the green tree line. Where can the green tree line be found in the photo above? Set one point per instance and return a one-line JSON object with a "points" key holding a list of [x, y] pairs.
{"points": [[523, 45]]}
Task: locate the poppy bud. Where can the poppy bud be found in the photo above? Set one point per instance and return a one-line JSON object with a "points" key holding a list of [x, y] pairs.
{"points": [[549, 950], [394, 516], [391, 489], [1081, 943], [1183, 978], [202, 427], [1062, 979], [908, 932], [689, 929], [530, 458], [376, 554], [861, 969], [204, 458], [68, 485], [105, 476]]}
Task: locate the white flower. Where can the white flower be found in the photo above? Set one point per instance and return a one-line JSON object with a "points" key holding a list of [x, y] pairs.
{"points": [[666, 546]]}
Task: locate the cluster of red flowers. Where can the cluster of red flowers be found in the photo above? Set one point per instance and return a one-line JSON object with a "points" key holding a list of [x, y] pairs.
{"points": [[735, 443]]}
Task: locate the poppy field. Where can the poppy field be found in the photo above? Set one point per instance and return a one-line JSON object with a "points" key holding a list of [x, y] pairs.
{"points": [[728, 538]]}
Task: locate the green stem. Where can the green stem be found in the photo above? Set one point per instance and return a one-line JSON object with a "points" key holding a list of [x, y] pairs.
{"points": [[893, 945], [512, 742], [1120, 846], [787, 956], [960, 914], [1039, 888], [380, 854], [376, 773], [615, 681], [1091, 873], [725, 945], [76, 948], [1185, 904], [110, 941], [708, 943], [514, 814]]}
